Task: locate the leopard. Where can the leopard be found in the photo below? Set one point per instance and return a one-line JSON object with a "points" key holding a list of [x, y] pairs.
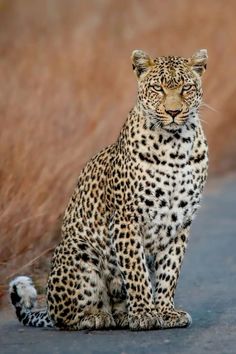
{"points": [[125, 230]]}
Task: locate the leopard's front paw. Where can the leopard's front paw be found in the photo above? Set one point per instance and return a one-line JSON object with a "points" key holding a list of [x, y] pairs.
{"points": [[99, 320], [144, 320], [121, 319], [176, 318]]}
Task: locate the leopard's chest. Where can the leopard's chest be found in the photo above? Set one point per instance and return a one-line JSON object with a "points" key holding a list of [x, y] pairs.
{"points": [[169, 195], [170, 205]]}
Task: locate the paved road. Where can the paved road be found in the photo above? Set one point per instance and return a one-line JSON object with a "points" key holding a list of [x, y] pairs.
{"points": [[207, 289]]}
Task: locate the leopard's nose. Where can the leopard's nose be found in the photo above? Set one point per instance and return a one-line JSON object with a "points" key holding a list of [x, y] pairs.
{"points": [[173, 114]]}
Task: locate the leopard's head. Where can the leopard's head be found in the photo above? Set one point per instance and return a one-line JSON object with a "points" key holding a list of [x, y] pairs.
{"points": [[169, 88]]}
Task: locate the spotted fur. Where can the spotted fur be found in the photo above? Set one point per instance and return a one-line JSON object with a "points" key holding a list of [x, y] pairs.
{"points": [[129, 217]]}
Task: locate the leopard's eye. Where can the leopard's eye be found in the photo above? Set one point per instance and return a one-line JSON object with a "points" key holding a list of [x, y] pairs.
{"points": [[186, 88], [157, 88]]}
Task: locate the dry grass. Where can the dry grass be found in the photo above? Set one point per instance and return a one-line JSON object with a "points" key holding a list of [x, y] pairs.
{"points": [[67, 86]]}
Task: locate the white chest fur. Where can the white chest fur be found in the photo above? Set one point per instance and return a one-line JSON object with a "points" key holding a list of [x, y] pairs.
{"points": [[170, 192]]}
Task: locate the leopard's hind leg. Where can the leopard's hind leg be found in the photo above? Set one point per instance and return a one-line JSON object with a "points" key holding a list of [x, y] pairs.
{"points": [[77, 292]]}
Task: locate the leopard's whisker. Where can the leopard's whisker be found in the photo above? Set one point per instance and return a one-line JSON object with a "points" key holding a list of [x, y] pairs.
{"points": [[204, 104]]}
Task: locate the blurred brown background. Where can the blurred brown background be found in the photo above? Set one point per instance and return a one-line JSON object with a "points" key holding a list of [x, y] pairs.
{"points": [[66, 88]]}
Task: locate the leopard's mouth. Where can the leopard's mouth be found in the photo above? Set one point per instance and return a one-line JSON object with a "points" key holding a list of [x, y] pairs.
{"points": [[167, 122], [173, 124]]}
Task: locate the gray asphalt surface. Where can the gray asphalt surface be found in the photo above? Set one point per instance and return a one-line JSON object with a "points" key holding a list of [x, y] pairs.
{"points": [[207, 289]]}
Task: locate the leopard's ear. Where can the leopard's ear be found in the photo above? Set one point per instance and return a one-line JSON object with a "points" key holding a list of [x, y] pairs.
{"points": [[141, 62], [199, 61]]}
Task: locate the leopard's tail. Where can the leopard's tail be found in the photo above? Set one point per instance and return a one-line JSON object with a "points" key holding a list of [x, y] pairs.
{"points": [[23, 297]]}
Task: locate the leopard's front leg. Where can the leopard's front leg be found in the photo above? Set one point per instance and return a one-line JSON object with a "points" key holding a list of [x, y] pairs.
{"points": [[142, 313], [167, 268]]}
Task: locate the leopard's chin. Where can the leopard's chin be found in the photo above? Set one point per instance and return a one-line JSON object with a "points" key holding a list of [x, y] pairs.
{"points": [[173, 126]]}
